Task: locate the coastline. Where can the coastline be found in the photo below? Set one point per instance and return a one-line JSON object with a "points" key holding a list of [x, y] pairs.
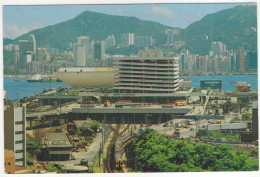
{"points": [[16, 76], [185, 75]]}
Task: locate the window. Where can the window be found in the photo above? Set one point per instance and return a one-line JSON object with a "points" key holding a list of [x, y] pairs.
{"points": [[18, 151], [19, 132], [19, 122], [18, 160], [19, 142]]}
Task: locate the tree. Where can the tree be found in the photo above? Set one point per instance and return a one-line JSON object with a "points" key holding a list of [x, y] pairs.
{"points": [[245, 116], [95, 125], [32, 147]]}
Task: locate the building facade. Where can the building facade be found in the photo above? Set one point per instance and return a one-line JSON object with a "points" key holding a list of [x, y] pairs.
{"points": [[127, 39], [81, 51], [15, 133], [150, 72], [9, 162], [110, 42], [143, 41]]}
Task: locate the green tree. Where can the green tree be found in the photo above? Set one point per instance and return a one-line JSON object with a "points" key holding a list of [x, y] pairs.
{"points": [[246, 116], [33, 147], [95, 125]]}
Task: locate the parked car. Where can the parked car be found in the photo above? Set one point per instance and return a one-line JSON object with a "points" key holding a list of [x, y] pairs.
{"points": [[191, 129], [185, 126]]}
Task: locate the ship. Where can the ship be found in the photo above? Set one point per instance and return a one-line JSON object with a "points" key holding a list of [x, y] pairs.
{"points": [[242, 87], [40, 78], [233, 82]]}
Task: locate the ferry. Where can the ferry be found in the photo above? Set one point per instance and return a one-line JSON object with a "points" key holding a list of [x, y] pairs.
{"points": [[40, 78]]}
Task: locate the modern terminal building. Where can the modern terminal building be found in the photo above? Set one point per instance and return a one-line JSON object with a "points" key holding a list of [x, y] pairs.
{"points": [[139, 88]]}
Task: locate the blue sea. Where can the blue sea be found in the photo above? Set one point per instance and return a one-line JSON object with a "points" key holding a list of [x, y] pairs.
{"points": [[27, 89]]}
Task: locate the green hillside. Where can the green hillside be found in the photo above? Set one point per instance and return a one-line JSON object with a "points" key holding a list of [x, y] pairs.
{"points": [[97, 26], [227, 26]]}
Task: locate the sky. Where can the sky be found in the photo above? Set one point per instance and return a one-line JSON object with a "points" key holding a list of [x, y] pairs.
{"points": [[18, 20]]}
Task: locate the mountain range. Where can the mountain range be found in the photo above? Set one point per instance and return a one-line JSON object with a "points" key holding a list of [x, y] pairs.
{"points": [[227, 26]]}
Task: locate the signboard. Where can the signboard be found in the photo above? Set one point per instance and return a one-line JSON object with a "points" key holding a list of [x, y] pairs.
{"points": [[213, 84]]}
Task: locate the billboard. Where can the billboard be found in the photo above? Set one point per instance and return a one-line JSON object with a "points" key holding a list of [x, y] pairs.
{"points": [[213, 84]]}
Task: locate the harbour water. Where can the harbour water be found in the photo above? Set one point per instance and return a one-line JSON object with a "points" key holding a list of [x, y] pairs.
{"points": [[26, 89], [226, 81]]}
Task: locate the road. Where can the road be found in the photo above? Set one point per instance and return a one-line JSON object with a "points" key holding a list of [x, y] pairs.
{"points": [[59, 110]]}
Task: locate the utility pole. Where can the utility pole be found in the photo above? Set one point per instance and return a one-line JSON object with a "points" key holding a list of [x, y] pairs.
{"points": [[17, 99]]}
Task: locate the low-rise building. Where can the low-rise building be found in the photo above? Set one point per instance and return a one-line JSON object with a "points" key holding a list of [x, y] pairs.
{"points": [[9, 162], [58, 146]]}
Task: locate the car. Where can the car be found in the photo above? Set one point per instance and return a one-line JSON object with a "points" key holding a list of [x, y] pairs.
{"points": [[73, 157], [203, 126], [185, 126], [191, 129]]}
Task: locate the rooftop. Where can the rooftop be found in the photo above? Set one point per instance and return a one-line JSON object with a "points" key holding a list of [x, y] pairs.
{"points": [[82, 123], [57, 140]]}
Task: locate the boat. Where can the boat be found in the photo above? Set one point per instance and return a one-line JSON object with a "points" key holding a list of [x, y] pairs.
{"points": [[40, 78], [233, 82]]}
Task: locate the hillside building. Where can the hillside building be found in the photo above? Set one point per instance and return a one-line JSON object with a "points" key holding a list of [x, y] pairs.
{"points": [[127, 39], [217, 48], [110, 42], [143, 41]]}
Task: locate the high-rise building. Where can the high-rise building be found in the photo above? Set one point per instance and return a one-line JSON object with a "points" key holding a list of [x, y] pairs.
{"points": [[98, 50], [183, 57], [127, 39], [191, 62], [218, 48], [42, 54], [32, 39], [110, 42], [79, 55], [26, 48], [15, 133], [242, 62], [251, 59], [81, 51], [150, 72], [170, 33], [143, 41]]}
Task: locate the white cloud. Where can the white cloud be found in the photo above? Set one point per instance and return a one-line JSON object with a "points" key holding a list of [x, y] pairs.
{"points": [[163, 12], [14, 31]]}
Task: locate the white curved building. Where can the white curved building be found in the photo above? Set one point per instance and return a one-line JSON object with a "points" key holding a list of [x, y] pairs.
{"points": [[87, 77]]}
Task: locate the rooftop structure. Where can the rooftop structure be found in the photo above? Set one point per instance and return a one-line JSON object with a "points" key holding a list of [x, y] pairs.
{"points": [[82, 123]]}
